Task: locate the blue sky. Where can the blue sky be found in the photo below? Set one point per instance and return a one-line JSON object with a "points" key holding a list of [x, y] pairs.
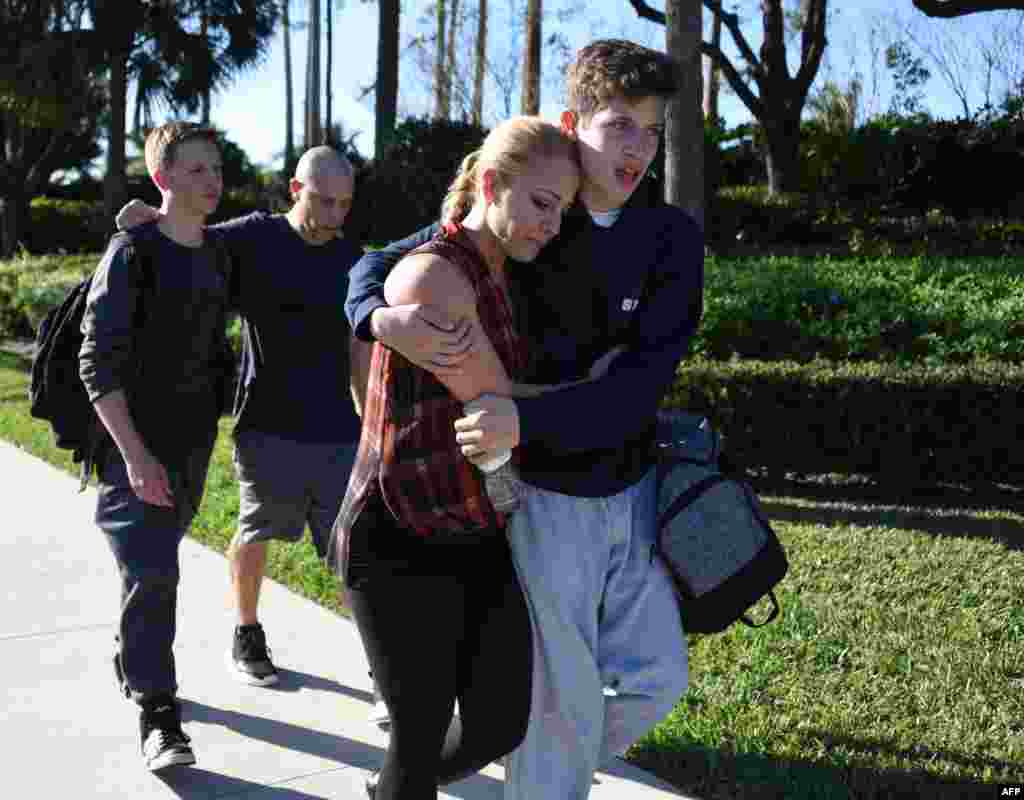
{"points": [[252, 110]]}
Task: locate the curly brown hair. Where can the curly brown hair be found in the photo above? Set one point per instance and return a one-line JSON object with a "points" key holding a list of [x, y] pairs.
{"points": [[610, 68]]}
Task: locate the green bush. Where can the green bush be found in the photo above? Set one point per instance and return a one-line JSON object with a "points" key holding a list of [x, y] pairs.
{"points": [[916, 310], [748, 216], [68, 226], [401, 193], [904, 425], [31, 285]]}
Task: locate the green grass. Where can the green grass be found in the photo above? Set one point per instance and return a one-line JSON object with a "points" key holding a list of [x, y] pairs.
{"points": [[896, 670]]}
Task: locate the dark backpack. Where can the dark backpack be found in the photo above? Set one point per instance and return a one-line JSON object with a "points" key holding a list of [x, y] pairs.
{"points": [[720, 550], [57, 394]]}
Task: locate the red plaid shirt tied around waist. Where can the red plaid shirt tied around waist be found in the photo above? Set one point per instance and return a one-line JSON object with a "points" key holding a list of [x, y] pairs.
{"points": [[407, 451]]}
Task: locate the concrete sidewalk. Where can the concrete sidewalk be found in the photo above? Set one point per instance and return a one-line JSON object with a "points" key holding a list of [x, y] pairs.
{"points": [[68, 733]]}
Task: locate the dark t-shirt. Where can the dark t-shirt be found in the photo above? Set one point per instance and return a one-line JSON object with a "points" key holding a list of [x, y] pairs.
{"points": [[160, 342], [292, 293]]}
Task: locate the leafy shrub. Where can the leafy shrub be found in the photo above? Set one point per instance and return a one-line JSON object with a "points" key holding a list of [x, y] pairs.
{"points": [[897, 310], [749, 215], [71, 226], [402, 192], [31, 285], [903, 425]]}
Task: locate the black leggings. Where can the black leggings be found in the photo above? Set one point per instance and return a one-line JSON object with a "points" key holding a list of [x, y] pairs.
{"points": [[433, 638]]}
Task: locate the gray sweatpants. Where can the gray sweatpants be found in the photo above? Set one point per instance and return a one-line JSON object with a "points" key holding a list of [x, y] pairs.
{"points": [[604, 617]]}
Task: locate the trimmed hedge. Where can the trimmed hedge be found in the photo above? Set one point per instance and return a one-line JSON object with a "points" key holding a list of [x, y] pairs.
{"points": [[958, 423], [893, 310], [886, 309]]}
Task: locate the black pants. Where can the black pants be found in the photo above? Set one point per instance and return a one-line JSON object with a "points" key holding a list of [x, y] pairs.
{"points": [[432, 638], [144, 540]]}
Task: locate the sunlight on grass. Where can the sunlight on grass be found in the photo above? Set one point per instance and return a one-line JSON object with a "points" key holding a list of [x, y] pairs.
{"points": [[896, 669]]}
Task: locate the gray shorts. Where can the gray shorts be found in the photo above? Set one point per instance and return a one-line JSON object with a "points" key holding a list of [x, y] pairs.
{"points": [[284, 484]]}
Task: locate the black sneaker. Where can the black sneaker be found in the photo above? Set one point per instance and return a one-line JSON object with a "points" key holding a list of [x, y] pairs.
{"points": [[164, 743], [249, 660]]}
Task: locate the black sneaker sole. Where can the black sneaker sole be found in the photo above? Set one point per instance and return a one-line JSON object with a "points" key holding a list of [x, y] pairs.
{"points": [[242, 676], [173, 759]]}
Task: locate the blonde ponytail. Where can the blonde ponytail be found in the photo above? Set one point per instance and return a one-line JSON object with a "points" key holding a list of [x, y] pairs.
{"points": [[507, 150], [462, 192]]}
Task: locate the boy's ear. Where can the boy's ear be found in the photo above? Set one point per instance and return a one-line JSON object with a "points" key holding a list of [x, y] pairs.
{"points": [[294, 187], [160, 180], [569, 121]]}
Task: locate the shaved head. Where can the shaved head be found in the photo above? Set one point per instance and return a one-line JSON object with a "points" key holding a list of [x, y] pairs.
{"points": [[322, 162], [322, 189]]}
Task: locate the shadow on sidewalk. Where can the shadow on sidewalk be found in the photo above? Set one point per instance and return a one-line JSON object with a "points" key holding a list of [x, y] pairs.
{"points": [[340, 749], [195, 783], [290, 680], [346, 752]]}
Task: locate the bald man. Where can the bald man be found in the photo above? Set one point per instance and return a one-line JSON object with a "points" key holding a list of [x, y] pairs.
{"points": [[296, 427]]}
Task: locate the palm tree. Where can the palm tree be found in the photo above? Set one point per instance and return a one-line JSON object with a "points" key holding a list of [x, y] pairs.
{"points": [[449, 73], [314, 123], [387, 74], [289, 108], [684, 134], [138, 37], [330, 64], [531, 58], [481, 65], [441, 106]]}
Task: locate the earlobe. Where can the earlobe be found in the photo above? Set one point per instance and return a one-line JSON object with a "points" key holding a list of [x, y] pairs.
{"points": [[160, 180]]}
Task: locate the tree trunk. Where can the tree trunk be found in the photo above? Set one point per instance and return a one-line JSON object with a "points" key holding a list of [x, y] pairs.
{"points": [[450, 67], [387, 75], [481, 66], [714, 80], [289, 104], [782, 155], [684, 125], [13, 212], [114, 181], [441, 107], [204, 32], [314, 124], [328, 121], [531, 58]]}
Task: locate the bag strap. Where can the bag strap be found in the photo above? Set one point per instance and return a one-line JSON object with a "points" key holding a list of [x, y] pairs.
{"points": [[689, 496], [138, 257]]}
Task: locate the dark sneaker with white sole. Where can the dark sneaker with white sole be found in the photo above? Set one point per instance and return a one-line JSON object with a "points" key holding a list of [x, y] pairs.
{"points": [[249, 659], [164, 743]]}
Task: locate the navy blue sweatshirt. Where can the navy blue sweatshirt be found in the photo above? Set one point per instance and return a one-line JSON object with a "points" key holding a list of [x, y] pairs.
{"points": [[288, 292], [638, 283], [170, 367]]}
